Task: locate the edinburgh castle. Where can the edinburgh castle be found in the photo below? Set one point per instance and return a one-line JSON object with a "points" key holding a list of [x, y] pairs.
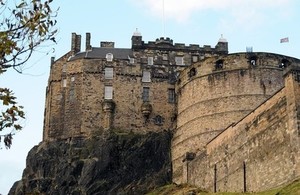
{"points": [[233, 116]]}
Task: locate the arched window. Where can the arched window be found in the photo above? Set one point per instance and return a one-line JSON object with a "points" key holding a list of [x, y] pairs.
{"points": [[109, 57]]}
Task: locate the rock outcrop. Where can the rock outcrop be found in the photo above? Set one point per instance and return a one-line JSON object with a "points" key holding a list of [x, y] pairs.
{"points": [[115, 164]]}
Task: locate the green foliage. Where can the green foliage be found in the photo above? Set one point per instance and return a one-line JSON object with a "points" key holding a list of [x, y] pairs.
{"points": [[24, 26]]}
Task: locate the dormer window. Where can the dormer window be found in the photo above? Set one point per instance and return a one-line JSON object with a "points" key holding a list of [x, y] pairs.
{"points": [[219, 64], [150, 60], [179, 60], [109, 57], [131, 60]]}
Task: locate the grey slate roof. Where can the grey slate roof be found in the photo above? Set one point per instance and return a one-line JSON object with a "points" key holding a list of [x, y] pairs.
{"points": [[100, 52]]}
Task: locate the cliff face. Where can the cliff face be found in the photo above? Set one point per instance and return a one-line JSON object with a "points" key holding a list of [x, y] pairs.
{"points": [[116, 164]]}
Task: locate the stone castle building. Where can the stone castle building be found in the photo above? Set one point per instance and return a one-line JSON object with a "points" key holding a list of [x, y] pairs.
{"points": [[234, 117]]}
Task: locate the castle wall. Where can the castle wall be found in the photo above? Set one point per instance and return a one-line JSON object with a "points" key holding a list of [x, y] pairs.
{"points": [[258, 153], [211, 99]]}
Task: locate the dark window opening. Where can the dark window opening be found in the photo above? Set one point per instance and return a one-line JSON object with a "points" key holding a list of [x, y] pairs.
{"points": [[145, 95], [171, 95], [253, 61], [158, 120], [284, 63], [219, 64], [192, 72], [178, 81]]}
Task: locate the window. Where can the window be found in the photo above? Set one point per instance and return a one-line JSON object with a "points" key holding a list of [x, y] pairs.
{"points": [[192, 72], [179, 60], [165, 56], [284, 63], [108, 92], [109, 57], [150, 60], [158, 120], [146, 91], [253, 60], [219, 64], [146, 76], [65, 83], [64, 68], [195, 58], [109, 73], [171, 95], [131, 60]]}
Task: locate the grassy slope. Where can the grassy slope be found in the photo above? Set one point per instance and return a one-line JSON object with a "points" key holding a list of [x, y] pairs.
{"points": [[292, 189]]}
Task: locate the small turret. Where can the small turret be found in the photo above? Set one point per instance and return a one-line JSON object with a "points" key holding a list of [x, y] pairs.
{"points": [[222, 45], [136, 40]]}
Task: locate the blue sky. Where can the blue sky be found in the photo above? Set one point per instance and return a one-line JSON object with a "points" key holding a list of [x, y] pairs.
{"points": [[244, 23]]}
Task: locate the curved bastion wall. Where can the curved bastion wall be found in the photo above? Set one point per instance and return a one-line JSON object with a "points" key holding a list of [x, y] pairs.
{"points": [[218, 92]]}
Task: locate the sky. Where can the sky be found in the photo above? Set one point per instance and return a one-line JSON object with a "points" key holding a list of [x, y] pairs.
{"points": [[259, 24]]}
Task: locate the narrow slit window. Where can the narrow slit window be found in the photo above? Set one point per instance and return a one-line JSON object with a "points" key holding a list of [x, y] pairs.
{"points": [[171, 95], [145, 95]]}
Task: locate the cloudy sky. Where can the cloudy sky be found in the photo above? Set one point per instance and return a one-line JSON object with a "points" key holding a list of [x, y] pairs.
{"points": [[244, 23]]}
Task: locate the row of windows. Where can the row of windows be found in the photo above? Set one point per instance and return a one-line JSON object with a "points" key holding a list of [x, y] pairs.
{"points": [[108, 94], [109, 74], [179, 60], [109, 57]]}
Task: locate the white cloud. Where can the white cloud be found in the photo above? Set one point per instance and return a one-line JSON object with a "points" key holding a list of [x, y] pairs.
{"points": [[244, 13]]}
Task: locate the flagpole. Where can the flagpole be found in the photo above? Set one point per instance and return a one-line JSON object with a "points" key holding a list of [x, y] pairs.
{"points": [[163, 17]]}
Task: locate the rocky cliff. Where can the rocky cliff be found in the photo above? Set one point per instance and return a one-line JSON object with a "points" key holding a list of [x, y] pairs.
{"points": [[114, 164]]}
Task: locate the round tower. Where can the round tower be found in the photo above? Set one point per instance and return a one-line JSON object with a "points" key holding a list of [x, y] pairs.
{"points": [[217, 92]]}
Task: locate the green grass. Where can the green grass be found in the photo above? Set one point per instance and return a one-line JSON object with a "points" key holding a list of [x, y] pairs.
{"points": [[291, 189]]}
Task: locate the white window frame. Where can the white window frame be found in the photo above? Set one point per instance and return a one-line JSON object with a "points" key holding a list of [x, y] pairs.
{"points": [[109, 73], [195, 58], [146, 76], [64, 83], [109, 57], [150, 60], [179, 60], [64, 68], [108, 92]]}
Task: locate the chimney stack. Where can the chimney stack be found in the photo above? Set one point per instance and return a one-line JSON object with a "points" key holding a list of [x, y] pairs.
{"points": [[88, 41], [75, 43]]}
